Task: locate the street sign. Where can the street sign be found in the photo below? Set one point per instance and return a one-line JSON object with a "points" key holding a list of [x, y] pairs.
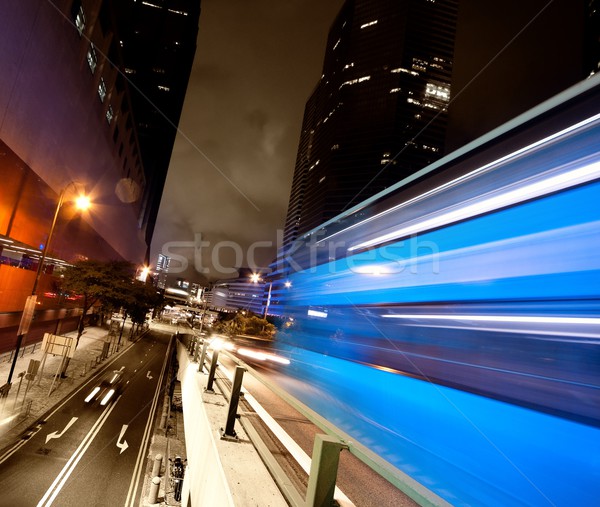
{"points": [[27, 315]]}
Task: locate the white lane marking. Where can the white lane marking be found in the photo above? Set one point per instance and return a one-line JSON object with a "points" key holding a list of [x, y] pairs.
{"points": [[148, 375], [122, 445], [56, 434], [67, 470], [135, 478]]}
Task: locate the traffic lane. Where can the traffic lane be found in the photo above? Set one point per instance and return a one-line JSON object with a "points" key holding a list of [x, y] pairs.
{"points": [[361, 484], [104, 475], [28, 473]]}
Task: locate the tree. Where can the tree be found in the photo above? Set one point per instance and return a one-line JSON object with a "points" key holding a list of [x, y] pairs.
{"points": [[99, 283], [139, 299], [242, 323]]}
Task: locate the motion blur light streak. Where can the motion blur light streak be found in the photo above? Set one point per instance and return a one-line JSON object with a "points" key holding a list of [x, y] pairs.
{"points": [[262, 356], [467, 305], [464, 177], [508, 198]]}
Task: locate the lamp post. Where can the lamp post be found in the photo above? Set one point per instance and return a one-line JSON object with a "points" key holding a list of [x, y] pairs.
{"points": [[255, 278], [82, 202]]}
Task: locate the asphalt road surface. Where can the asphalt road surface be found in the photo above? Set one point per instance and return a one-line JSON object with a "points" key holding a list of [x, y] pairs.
{"points": [[84, 454]]}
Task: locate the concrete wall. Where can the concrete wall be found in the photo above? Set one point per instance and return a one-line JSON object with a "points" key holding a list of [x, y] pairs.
{"points": [[205, 478], [221, 472]]}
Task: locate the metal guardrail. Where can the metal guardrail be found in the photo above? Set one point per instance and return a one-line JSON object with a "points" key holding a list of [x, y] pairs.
{"points": [[326, 447]]}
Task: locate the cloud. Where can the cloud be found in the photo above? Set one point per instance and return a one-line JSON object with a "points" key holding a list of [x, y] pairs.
{"points": [[231, 169]]}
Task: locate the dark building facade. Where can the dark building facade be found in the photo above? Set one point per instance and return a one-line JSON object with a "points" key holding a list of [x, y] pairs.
{"points": [[378, 112], [156, 47], [512, 56], [69, 123]]}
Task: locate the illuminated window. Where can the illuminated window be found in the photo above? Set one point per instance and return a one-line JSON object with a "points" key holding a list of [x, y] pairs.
{"points": [[357, 80], [109, 114], [370, 23], [335, 147], [164, 88], [80, 20], [322, 179], [419, 64], [406, 71], [129, 71], [348, 66], [152, 5], [92, 58], [395, 90], [440, 92], [102, 90], [336, 44], [181, 13]]}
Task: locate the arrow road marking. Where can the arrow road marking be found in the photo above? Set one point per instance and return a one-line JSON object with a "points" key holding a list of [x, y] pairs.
{"points": [[148, 375], [124, 445], [56, 434]]}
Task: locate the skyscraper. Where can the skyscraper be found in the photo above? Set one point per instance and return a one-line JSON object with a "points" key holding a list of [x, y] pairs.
{"points": [[72, 119], [157, 44], [379, 111]]}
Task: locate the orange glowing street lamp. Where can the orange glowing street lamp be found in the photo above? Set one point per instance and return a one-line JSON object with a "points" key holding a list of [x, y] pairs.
{"points": [[81, 202]]}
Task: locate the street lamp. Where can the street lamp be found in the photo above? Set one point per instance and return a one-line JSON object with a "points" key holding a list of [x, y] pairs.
{"points": [[82, 202], [255, 278]]}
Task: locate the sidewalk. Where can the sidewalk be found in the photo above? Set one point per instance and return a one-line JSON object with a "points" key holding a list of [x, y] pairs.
{"points": [[28, 400]]}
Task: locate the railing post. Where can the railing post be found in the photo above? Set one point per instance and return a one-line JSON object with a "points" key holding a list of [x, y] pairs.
{"points": [[154, 487], [211, 373], [156, 466], [229, 431], [323, 471], [203, 355]]}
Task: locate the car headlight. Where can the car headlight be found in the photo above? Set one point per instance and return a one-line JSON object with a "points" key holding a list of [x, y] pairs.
{"points": [[92, 394], [107, 397]]}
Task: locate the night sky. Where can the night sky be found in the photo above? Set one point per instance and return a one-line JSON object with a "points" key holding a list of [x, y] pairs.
{"points": [[231, 170], [256, 65]]}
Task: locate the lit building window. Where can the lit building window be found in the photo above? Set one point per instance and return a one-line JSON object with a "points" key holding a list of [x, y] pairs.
{"points": [[370, 23], [336, 44], [440, 92], [355, 81], [92, 58], [181, 13], [129, 71], [102, 90], [164, 88], [80, 20], [346, 67], [406, 71], [419, 64], [335, 147], [322, 179], [395, 90], [149, 4], [109, 114]]}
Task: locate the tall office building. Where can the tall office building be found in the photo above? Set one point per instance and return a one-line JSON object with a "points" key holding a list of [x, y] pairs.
{"points": [[71, 118], [157, 44], [378, 113]]}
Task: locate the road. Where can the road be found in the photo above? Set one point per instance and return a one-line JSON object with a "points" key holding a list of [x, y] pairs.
{"points": [[90, 455]]}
